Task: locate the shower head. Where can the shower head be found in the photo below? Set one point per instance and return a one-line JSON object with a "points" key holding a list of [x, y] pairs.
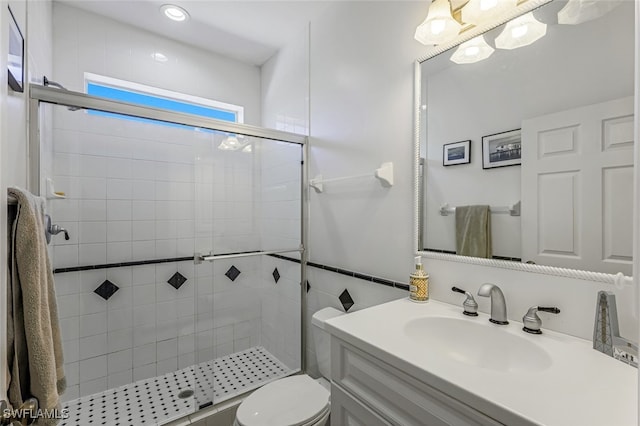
{"points": [[47, 82]]}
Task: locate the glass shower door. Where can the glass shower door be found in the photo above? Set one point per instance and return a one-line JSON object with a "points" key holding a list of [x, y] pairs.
{"points": [[125, 280], [248, 310]]}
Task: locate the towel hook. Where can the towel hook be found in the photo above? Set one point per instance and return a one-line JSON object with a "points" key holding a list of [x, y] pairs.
{"points": [[27, 414]]}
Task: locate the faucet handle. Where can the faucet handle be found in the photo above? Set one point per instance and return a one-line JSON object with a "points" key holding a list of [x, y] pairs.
{"points": [[532, 322], [470, 306]]}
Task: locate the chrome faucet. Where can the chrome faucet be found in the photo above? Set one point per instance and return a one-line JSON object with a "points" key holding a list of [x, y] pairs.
{"points": [[531, 321], [498, 304], [470, 305]]}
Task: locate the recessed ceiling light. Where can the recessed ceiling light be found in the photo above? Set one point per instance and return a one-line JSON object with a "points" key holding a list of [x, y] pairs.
{"points": [[175, 13], [159, 57]]}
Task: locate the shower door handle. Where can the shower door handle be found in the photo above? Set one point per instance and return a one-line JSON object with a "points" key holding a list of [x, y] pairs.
{"points": [[53, 229]]}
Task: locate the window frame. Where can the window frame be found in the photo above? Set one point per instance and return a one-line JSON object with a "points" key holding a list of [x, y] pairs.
{"points": [[115, 83]]}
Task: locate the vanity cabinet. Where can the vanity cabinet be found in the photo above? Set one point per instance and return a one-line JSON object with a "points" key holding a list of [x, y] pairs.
{"points": [[368, 391], [346, 410]]}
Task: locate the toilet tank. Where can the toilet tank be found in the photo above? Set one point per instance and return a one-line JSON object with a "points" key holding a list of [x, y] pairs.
{"points": [[322, 339]]}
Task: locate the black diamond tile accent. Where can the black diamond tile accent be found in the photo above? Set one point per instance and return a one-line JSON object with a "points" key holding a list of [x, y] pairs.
{"points": [[106, 289], [276, 275], [346, 300], [232, 273], [308, 286], [177, 280]]}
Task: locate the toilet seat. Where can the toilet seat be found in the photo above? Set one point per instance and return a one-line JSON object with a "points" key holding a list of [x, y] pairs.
{"points": [[292, 401]]}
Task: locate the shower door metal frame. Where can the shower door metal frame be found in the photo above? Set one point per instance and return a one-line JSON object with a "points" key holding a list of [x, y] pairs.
{"points": [[69, 98]]}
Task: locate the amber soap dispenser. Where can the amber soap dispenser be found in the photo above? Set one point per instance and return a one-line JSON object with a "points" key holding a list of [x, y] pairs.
{"points": [[419, 283]]}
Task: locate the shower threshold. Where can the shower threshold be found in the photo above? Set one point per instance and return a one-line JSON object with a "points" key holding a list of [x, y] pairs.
{"points": [[162, 399]]}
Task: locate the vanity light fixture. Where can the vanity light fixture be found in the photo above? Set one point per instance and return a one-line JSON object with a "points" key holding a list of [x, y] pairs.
{"points": [[578, 11], [479, 11], [230, 143], [175, 13], [439, 26], [471, 51], [224, 146], [520, 32], [233, 143]]}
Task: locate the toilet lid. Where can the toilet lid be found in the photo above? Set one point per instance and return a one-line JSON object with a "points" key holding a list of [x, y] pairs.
{"points": [[292, 401]]}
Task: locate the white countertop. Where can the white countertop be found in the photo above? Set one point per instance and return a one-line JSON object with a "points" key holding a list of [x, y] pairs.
{"points": [[580, 387]]}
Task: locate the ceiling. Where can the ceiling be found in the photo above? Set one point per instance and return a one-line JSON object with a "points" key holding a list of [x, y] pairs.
{"points": [[248, 31]]}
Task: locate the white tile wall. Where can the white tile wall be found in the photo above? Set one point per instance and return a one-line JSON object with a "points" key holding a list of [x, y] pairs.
{"points": [[280, 229], [280, 185], [123, 206]]}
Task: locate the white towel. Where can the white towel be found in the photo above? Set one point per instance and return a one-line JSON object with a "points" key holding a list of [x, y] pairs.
{"points": [[34, 345]]}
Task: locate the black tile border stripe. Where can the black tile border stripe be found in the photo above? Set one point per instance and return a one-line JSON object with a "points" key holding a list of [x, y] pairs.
{"points": [[121, 264], [353, 274], [348, 273], [514, 259], [439, 250], [290, 259]]}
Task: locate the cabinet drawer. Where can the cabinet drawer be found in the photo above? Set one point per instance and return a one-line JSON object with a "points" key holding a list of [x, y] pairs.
{"points": [[347, 411], [396, 396]]}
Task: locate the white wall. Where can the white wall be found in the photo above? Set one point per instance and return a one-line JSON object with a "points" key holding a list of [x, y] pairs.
{"points": [[285, 87], [85, 42], [469, 101], [34, 20], [361, 115], [361, 91]]}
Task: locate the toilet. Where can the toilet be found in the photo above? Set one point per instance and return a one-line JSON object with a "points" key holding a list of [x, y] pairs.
{"points": [[297, 400]]}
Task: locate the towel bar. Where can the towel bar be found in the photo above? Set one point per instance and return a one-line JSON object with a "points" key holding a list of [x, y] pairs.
{"points": [[384, 174], [514, 210]]}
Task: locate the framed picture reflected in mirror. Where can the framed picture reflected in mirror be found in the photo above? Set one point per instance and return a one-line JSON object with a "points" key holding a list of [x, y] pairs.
{"points": [[456, 153], [502, 149]]}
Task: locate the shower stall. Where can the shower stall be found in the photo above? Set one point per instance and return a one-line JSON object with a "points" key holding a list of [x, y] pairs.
{"points": [[180, 285]]}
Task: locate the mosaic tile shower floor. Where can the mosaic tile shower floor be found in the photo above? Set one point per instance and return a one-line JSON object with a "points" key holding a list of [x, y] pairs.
{"points": [[156, 401]]}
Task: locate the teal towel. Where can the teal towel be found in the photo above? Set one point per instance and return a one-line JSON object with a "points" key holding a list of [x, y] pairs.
{"points": [[473, 231]]}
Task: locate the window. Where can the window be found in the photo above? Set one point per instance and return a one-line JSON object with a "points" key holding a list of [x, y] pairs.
{"points": [[140, 94]]}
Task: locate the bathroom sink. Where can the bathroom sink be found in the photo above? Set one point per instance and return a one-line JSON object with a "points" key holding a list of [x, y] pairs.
{"points": [[516, 378], [479, 344]]}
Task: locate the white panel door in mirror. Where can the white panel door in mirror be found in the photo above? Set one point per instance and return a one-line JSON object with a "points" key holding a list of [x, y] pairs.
{"points": [[577, 188]]}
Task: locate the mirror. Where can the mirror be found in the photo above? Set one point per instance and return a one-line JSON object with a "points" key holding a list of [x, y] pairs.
{"points": [[542, 134]]}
